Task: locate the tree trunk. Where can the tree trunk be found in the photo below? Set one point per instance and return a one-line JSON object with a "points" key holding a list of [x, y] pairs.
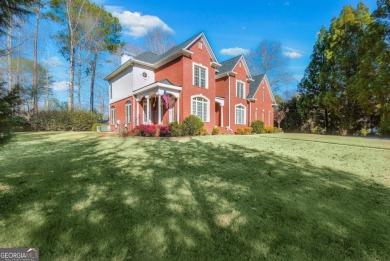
{"points": [[326, 121], [278, 124], [9, 54], [71, 79], [35, 73], [94, 62], [79, 79]]}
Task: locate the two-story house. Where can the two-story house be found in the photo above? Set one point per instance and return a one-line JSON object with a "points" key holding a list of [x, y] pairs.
{"points": [[187, 79]]}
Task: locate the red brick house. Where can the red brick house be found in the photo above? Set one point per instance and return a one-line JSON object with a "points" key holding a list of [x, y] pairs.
{"points": [[188, 79]]}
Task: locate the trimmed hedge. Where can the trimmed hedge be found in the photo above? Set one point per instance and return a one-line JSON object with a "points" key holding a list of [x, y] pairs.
{"points": [[65, 120]]}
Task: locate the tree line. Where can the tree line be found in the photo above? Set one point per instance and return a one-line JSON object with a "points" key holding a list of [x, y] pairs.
{"points": [[346, 86]]}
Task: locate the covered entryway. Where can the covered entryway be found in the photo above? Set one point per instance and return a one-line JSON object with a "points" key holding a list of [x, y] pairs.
{"points": [[219, 106], [159, 103]]}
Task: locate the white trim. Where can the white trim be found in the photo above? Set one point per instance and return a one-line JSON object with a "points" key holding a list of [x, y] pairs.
{"points": [[244, 87], [207, 107], [220, 100], [206, 43], [235, 114], [193, 75], [112, 115]]}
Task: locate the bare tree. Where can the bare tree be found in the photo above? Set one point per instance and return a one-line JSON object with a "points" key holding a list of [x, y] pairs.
{"points": [[158, 41], [37, 12], [268, 58]]}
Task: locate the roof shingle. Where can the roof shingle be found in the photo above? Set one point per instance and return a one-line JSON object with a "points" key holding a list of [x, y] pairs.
{"points": [[255, 85]]}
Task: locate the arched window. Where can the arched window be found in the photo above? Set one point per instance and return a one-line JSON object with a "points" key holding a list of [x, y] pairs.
{"points": [[200, 108], [128, 112], [240, 114], [112, 115]]}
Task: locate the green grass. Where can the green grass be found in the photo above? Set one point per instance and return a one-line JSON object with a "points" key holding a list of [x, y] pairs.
{"points": [[80, 196]]}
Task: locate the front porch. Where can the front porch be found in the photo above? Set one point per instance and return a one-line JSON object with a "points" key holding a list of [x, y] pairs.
{"points": [[158, 103]]}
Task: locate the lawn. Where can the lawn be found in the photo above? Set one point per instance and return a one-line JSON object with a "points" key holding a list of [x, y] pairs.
{"points": [[81, 196]]}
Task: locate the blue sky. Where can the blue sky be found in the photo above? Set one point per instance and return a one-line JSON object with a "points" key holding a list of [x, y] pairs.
{"points": [[232, 25]]}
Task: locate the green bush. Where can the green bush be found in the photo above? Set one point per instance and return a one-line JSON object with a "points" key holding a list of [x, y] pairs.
{"points": [[95, 125], [364, 132], [248, 130], [258, 127], [384, 127], [175, 129], [65, 120], [240, 131], [215, 131], [192, 125]]}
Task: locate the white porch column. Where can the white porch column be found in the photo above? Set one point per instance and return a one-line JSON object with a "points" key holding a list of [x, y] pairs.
{"points": [[221, 115], [178, 109], [250, 113], [148, 110], [137, 113], [159, 108]]}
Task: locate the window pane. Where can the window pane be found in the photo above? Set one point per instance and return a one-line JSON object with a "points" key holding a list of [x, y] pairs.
{"points": [[204, 112]]}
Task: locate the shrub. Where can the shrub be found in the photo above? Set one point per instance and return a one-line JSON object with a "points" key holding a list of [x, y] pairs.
{"points": [[192, 125], [175, 129], [313, 130], [135, 132], [164, 131], [278, 130], [258, 127], [215, 131], [344, 132], [269, 129], [248, 130], [95, 125], [148, 130], [384, 126], [240, 131], [65, 120], [364, 132], [203, 131]]}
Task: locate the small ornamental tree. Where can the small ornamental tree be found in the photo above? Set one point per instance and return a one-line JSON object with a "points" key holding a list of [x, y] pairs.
{"points": [[192, 125]]}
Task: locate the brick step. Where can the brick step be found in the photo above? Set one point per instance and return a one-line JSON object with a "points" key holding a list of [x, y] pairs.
{"points": [[223, 130]]}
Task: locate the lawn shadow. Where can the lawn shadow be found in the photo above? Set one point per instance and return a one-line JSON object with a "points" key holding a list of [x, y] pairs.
{"points": [[165, 199]]}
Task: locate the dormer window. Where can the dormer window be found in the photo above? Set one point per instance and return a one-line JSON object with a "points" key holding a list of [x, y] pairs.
{"points": [[200, 45]]}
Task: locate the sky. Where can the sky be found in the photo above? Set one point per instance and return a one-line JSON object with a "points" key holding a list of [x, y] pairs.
{"points": [[231, 27]]}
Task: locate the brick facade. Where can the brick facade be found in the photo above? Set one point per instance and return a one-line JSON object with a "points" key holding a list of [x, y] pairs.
{"points": [[180, 73]]}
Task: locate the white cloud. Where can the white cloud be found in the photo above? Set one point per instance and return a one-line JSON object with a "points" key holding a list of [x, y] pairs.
{"points": [[292, 53], [60, 86], [53, 61], [234, 51], [136, 24]]}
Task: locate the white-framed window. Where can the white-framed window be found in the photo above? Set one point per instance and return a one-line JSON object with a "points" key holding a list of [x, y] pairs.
{"points": [[262, 94], [200, 107], [128, 112], [240, 64], [240, 89], [110, 90], [200, 45], [200, 76], [269, 118], [112, 115], [240, 114], [262, 116]]}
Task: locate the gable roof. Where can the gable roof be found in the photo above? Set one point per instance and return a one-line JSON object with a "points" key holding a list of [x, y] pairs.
{"points": [[154, 60], [254, 86], [228, 65]]}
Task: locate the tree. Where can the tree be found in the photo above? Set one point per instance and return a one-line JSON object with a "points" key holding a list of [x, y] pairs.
{"points": [[158, 41], [268, 58], [37, 11], [13, 8], [9, 102], [69, 13], [105, 32]]}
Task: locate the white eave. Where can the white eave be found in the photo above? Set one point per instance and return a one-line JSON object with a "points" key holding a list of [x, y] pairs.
{"points": [[231, 73], [157, 85]]}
